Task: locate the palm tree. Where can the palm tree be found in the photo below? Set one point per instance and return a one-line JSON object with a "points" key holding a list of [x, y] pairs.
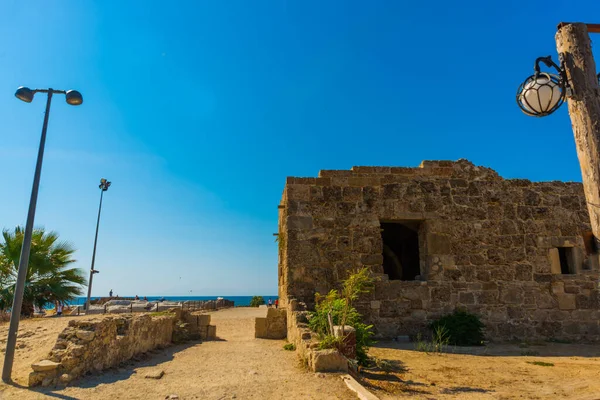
{"points": [[50, 276]]}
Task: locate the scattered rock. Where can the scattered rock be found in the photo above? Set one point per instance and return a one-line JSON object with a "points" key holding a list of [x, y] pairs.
{"points": [[21, 345], [48, 381], [252, 373], [172, 397], [45, 365], [86, 335], [65, 378], [329, 361], [157, 374], [320, 375], [77, 350]]}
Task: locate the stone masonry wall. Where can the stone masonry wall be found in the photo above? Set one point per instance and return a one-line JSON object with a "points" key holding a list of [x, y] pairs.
{"points": [[486, 244], [93, 345]]}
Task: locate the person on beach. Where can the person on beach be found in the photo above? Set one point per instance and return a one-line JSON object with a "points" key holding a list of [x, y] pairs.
{"points": [[145, 298], [137, 297], [276, 303], [270, 303], [110, 293], [59, 308]]}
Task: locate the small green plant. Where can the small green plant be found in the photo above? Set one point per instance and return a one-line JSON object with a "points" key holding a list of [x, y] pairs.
{"points": [[336, 309], [438, 344], [441, 338], [541, 363], [331, 342], [160, 313], [530, 353], [562, 341], [289, 346], [257, 301], [462, 328]]}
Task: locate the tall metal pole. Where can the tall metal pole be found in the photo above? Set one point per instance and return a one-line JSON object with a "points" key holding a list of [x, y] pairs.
{"points": [[24, 258], [92, 270], [574, 47]]}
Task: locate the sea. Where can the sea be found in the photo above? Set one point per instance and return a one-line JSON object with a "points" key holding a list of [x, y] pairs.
{"points": [[238, 300]]}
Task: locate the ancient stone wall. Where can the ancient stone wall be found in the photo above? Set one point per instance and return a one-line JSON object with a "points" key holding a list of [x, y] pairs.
{"points": [[497, 247], [93, 345], [273, 326], [307, 343]]}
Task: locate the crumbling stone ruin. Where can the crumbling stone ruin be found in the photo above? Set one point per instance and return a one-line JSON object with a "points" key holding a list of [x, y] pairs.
{"points": [[94, 345], [446, 234], [273, 326]]}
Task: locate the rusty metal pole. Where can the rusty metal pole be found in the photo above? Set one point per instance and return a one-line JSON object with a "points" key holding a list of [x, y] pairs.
{"points": [[574, 48]]}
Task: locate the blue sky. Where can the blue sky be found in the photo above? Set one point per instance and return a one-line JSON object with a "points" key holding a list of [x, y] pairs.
{"points": [[198, 110]]}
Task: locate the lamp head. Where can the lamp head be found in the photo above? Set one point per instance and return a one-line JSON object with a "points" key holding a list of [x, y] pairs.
{"points": [[104, 184], [73, 97], [541, 93], [25, 94]]}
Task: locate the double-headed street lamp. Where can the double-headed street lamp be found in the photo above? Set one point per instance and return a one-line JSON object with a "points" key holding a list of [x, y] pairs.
{"points": [[104, 185], [73, 98]]}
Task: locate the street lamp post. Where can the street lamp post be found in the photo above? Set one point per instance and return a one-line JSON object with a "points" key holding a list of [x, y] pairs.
{"points": [[577, 82], [74, 98], [104, 185]]}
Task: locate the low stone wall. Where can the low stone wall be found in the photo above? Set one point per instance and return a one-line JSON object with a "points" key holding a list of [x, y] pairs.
{"points": [[273, 326], [208, 304], [97, 344], [307, 344]]}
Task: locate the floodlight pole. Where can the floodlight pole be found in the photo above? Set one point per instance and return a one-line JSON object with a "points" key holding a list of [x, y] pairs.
{"points": [[15, 314], [103, 188]]}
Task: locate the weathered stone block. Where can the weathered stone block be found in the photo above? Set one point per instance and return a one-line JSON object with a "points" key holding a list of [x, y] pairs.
{"points": [[466, 298], [211, 332], [295, 223], [438, 244], [328, 361], [203, 319], [260, 327], [86, 335], [45, 366], [566, 301]]}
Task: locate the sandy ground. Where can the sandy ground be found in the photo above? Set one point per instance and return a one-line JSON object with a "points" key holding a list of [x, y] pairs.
{"points": [[491, 372], [235, 366]]}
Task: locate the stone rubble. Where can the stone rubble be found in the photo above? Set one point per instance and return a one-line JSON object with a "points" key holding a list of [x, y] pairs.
{"points": [[93, 345]]}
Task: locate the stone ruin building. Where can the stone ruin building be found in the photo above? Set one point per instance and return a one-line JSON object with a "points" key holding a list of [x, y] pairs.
{"points": [[440, 236]]}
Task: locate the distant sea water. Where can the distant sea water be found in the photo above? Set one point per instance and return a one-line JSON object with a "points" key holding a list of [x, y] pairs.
{"points": [[238, 300]]}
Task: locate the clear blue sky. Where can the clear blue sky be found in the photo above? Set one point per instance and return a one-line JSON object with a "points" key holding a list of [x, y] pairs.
{"points": [[198, 110]]}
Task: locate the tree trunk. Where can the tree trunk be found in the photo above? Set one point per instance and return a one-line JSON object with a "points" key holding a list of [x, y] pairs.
{"points": [[574, 48]]}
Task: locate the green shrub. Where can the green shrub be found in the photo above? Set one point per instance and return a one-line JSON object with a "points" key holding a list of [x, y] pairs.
{"points": [[541, 363], [463, 328], [257, 301], [289, 346], [339, 306]]}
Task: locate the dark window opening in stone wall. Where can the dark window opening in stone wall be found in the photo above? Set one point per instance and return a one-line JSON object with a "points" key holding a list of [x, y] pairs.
{"points": [[565, 255], [401, 250]]}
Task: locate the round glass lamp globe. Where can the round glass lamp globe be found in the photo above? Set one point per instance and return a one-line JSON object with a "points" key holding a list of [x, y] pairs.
{"points": [[540, 95]]}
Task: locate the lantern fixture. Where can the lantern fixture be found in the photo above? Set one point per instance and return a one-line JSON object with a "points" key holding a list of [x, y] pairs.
{"points": [[542, 93]]}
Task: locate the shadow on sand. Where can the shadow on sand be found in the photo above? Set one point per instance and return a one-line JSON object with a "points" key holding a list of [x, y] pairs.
{"points": [[538, 349]]}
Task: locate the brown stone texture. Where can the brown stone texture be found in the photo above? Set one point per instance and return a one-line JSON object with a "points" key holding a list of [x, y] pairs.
{"points": [[486, 244], [94, 345], [273, 326]]}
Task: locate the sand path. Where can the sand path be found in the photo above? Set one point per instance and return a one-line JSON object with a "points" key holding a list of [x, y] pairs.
{"points": [[237, 366]]}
